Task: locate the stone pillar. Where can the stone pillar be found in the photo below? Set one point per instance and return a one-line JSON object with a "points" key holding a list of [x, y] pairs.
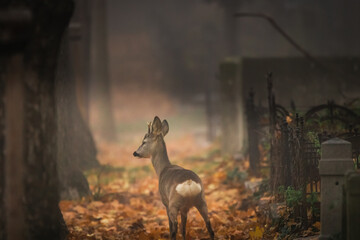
{"points": [[352, 207], [335, 162], [232, 112]]}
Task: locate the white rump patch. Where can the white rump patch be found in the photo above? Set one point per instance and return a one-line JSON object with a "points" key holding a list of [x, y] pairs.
{"points": [[188, 188]]}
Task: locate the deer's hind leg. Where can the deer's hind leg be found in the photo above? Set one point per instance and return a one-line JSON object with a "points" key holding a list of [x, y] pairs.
{"points": [[170, 225], [173, 212], [202, 208], [183, 222]]}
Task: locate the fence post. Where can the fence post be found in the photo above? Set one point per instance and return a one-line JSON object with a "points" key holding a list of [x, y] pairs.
{"points": [[335, 162], [285, 157], [274, 156]]}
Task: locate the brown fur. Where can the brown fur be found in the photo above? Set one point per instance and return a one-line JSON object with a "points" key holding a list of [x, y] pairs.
{"points": [[170, 176]]}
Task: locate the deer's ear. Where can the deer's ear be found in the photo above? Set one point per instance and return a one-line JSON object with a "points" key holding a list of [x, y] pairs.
{"points": [[164, 127], [156, 126]]}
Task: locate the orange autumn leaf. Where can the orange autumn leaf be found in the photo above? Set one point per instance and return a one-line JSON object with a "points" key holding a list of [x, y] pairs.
{"points": [[257, 233]]}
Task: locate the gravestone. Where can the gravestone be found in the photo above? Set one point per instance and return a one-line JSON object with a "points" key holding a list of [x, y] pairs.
{"points": [[335, 162]]}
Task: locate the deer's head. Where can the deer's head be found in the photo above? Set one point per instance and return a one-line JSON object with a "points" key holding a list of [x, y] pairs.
{"points": [[153, 138]]}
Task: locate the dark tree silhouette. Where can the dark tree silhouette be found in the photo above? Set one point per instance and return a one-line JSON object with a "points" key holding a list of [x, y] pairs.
{"points": [[42, 214], [2, 160], [32, 210], [76, 149], [79, 35]]}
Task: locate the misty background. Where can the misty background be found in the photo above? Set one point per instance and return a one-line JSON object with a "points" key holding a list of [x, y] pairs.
{"points": [[176, 46], [79, 80], [164, 55]]}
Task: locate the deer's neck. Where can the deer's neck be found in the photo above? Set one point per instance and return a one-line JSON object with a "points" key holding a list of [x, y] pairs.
{"points": [[159, 158]]}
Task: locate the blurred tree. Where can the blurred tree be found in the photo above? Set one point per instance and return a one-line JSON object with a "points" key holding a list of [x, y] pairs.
{"points": [[2, 158], [230, 7], [76, 149], [230, 26], [173, 57], [100, 82], [79, 34], [33, 31], [14, 148], [2, 147], [43, 217]]}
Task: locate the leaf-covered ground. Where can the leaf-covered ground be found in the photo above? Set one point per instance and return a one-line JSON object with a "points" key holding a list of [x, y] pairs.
{"points": [[126, 202]]}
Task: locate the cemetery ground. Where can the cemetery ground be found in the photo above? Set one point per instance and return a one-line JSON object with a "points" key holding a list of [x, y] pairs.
{"points": [[126, 203]]}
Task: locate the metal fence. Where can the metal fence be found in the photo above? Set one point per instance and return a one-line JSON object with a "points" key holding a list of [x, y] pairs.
{"points": [[295, 141]]}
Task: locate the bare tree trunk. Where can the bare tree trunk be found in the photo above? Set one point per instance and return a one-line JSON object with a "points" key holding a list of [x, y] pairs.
{"points": [[231, 138], [100, 82], [76, 149], [230, 26], [209, 115], [14, 149], [32, 194], [2, 157], [43, 216], [79, 34]]}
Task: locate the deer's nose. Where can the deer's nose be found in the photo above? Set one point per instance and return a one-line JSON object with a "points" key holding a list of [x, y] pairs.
{"points": [[136, 154]]}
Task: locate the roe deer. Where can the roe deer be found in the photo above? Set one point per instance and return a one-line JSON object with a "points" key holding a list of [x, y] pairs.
{"points": [[180, 189]]}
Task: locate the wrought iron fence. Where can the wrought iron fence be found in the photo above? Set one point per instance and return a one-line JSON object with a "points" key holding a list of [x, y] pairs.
{"points": [[295, 142]]}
